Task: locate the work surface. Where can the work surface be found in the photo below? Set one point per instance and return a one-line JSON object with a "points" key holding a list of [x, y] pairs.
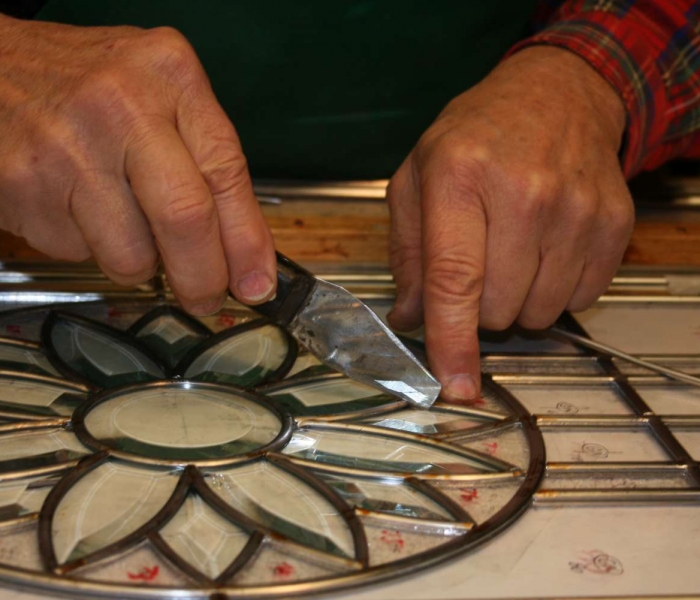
{"points": [[617, 511]]}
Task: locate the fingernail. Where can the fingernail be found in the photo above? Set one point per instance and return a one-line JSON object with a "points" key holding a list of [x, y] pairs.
{"points": [[255, 286], [459, 387], [209, 307]]}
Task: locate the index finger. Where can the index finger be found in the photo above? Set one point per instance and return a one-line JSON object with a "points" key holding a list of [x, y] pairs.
{"points": [[454, 242]]}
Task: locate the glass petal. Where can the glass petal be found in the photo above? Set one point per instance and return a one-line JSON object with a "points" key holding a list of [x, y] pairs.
{"points": [[377, 453], [262, 492], [307, 365], [203, 538], [99, 354], [21, 497], [169, 333], [509, 445], [425, 422], [16, 356], [393, 498], [20, 395], [244, 358], [327, 396], [36, 449], [107, 504]]}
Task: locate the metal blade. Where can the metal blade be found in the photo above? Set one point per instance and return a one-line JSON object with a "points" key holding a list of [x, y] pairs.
{"points": [[346, 335]]}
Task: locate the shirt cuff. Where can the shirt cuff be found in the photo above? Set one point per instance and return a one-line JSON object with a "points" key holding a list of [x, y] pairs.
{"points": [[618, 49]]}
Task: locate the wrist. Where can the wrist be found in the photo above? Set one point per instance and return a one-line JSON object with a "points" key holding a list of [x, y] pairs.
{"points": [[580, 86]]}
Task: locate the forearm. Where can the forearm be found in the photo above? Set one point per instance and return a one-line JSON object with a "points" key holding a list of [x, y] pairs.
{"points": [[648, 52]]}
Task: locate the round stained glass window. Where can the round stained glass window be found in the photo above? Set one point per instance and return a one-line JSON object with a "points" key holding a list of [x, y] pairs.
{"points": [[144, 452]]}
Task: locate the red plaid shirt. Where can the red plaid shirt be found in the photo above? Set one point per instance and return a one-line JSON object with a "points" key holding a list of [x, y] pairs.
{"points": [[649, 51]]}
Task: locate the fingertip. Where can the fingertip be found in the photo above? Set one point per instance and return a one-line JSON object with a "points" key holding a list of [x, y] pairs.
{"points": [[254, 288], [461, 387]]}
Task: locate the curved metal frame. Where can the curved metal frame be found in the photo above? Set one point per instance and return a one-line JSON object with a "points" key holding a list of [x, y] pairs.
{"points": [[467, 534]]}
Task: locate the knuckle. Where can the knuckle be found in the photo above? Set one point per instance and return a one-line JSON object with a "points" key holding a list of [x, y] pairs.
{"points": [[128, 268], [190, 212], [536, 192], [453, 281], [228, 175], [170, 52], [537, 319], [108, 95]]}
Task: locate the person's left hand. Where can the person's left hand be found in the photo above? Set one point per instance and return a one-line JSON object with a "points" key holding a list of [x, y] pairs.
{"points": [[511, 207]]}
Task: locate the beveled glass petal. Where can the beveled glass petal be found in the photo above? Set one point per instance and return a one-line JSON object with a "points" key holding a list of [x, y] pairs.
{"points": [[424, 422], [38, 449], [23, 496], [98, 353], [263, 492], [326, 396], [107, 504], [17, 356], [203, 538], [38, 397], [393, 498], [246, 356], [169, 333], [352, 449]]}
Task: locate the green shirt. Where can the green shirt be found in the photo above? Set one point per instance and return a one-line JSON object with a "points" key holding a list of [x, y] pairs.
{"points": [[328, 89]]}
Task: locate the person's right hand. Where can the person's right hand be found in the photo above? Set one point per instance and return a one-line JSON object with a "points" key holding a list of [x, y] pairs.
{"points": [[112, 145]]}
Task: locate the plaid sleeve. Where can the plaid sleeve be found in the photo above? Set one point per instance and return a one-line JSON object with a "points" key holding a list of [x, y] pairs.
{"points": [[649, 51]]}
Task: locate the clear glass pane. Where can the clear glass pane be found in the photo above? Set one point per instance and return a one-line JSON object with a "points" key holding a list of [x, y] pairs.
{"points": [[185, 423], [670, 399], [376, 453], [328, 396], [106, 505], [509, 445], [203, 538], [37, 397], [602, 445], [27, 360], [20, 547], [100, 357], [263, 492], [42, 445], [394, 498], [307, 365], [568, 400], [169, 336], [245, 359], [273, 565], [23, 496], [424, 422], [645, 327], [481, 500], [388, 544], [688, 365], [139, 566], [234, 314], [690, 439]]}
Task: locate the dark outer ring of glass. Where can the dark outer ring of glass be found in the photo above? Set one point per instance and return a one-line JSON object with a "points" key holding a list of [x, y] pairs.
{"points": [[216, 338], [518, 503], [81, 431]]}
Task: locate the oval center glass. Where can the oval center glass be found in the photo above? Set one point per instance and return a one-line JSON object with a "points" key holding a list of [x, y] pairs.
{"points": [[184, 421]]}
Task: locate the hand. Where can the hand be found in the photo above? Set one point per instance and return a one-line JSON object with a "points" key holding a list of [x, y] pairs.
{"points": [[511, 207], [112, 144]]}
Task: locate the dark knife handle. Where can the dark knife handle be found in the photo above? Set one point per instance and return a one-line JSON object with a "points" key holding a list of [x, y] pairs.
{"points": [[294, 284]]}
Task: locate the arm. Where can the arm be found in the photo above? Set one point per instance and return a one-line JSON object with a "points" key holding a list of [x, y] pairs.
{"points": [[513, 205], [649, 52]]}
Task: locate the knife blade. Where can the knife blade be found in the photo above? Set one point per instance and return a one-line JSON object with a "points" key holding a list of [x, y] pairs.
{"points": [[345, 334]]}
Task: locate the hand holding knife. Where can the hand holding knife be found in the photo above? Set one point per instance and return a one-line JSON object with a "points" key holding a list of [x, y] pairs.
{"points": [[346, 335]]}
